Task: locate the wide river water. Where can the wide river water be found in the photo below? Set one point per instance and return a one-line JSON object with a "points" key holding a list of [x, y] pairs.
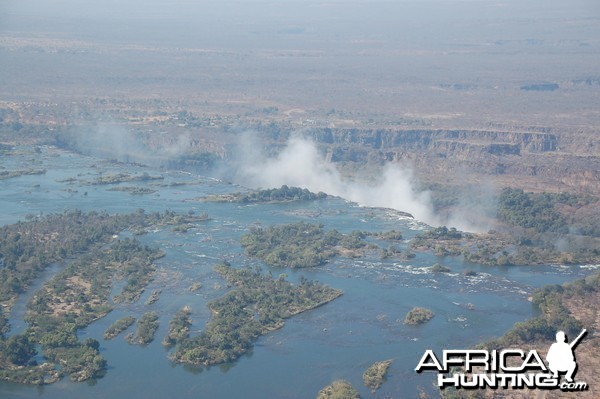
{"points": [[336, 341]]}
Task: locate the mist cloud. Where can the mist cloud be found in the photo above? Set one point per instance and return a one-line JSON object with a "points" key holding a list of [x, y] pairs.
{"points": [[115, 142], [301, 164]]}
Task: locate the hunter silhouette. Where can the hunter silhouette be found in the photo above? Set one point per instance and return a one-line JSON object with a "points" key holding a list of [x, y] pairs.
{"points": [[560, 355]]}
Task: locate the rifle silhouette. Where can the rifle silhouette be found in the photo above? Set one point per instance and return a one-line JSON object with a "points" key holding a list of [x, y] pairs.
{"points": [[575, 342]]}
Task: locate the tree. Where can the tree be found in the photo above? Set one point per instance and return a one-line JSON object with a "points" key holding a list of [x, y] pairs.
{"points": [[92, 343], [3, 324], [19, 349]]}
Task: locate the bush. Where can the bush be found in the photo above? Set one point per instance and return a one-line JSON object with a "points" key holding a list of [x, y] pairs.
{"points": [[375, 374], [339, 389], [418, 316]]}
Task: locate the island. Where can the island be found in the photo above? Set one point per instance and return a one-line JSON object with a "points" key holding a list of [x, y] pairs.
{"points": [[339, 389], [123, 178], [92, 256], [257, 305], [301, 244], [179, 327], [418, 316], [10, 174], [273, 195], [146, 328], [118, 327], [375, 375]]}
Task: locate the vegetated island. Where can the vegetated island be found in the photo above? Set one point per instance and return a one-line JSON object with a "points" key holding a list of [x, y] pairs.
{"points": [[133, 190], [437, 268], [375, 375], [339, 389], [118, 327], [418, 316], [146, 328], [79, 295], [538, 228], [569, 308], [10, 174], [195, 286], [76, 296], [257, 305], [301, 244], [391, 235], [179, 327], [154, 296], [27, 248], [123, 178], [273, 195]]}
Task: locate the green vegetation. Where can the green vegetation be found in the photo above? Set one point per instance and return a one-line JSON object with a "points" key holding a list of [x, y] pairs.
{"points": [[34, 375], [441, 240], [391, 251], [437, 268], [391, 235], [555, 316], [198, 160], [4, 326], [80, 362], [299, 244], [442, 233], [375, 375], [123, 178], [154, 296], [418, 316], [257, 305], [27, 248], [146, 328], [536, 211], [282, 194], [76, 296], [18, 350], [118, 327], [133, 190], [339, 389], [179, 327], [6, 174], [537, 228], [583, 296], [549, 212], [495, 248], [138, 274], [79, 295]]}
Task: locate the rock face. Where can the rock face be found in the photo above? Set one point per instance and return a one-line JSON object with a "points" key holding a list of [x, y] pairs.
{"points": [[536, 160], [495, 142], [532, 158]]}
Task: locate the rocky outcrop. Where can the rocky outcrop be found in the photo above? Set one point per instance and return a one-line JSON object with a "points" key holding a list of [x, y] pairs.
{"points": [[536, 160], [426, 139]]}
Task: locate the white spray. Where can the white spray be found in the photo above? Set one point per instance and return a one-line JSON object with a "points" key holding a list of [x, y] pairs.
{"points": [[301, 164]]}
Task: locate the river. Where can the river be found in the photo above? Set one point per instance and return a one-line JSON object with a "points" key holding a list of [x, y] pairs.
{"points": [[338, 340]]}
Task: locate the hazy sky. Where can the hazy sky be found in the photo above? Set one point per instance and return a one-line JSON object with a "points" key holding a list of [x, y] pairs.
{"points": [[369, 56], [296, 23]]}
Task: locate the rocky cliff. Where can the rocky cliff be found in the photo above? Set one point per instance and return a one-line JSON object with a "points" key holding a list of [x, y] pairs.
{"points": [[532, 160]]}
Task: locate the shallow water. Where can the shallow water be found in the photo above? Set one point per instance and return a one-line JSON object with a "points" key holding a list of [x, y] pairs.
{"points": [[338, 340]]}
